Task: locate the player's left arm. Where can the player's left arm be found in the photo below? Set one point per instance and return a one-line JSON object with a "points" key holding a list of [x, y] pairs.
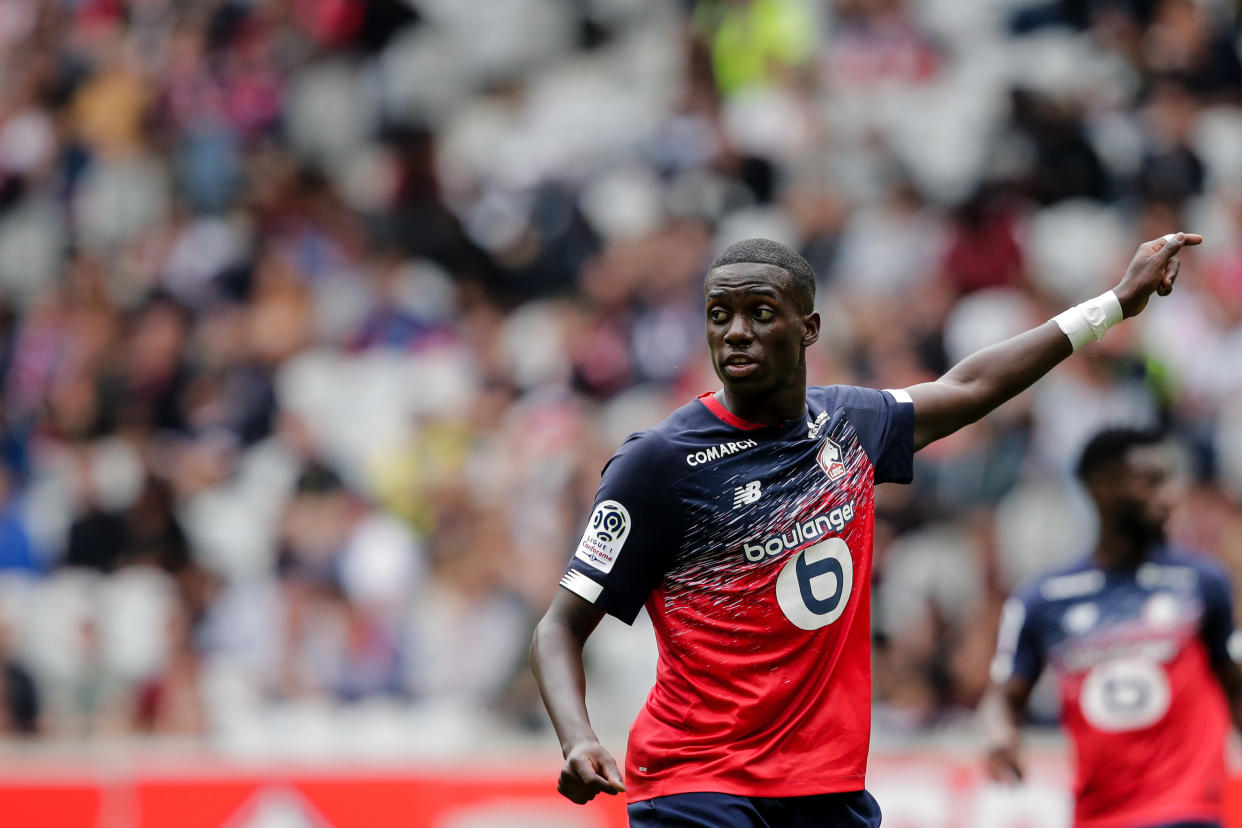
{"points": [[987, 378], [1229, 674], [1221, 638]]}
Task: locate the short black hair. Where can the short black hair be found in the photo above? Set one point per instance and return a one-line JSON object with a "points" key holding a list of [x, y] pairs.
{"points": [[318, 478], [1109, 447], [768, 252]]}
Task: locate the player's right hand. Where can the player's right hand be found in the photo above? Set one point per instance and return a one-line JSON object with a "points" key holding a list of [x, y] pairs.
{"points": [[589, 769], [1003, 764]]}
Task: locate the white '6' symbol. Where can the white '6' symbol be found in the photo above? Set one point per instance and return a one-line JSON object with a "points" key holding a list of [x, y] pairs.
{"points": [[1127, 694], [814, 586]]}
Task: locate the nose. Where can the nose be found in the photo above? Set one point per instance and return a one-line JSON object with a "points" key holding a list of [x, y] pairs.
{"points": [[738, 332]]}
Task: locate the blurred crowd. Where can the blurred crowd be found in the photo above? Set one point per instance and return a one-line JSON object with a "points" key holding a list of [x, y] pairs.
{"points": [[319, 319]]}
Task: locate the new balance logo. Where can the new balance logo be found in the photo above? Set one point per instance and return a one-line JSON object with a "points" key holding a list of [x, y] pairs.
{"points": [[812, 428], [746, 495]]}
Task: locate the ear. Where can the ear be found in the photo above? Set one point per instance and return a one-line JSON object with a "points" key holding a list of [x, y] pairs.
{"points": [[810, 329], [1101, 488]]}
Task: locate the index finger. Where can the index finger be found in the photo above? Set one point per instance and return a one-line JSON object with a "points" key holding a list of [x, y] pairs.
{"points": [[613, 776], [1165, 247], [584, 769], [1175, 240]]}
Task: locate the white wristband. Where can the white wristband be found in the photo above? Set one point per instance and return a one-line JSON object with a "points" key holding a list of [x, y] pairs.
{"points": [[1087, 322]]}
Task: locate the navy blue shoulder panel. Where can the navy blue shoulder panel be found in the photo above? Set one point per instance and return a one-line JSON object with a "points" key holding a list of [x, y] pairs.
{"points": [[1215, 591], [884, 424]]}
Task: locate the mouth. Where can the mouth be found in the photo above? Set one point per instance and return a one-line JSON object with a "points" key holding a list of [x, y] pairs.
{"points": [[740, 365]]}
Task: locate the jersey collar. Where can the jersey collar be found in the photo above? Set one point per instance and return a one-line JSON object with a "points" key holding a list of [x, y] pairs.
{"points": [[716, 407]]}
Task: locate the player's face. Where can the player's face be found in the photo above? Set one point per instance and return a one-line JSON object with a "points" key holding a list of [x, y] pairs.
{"points": [[1145, 491], [755, 330]]}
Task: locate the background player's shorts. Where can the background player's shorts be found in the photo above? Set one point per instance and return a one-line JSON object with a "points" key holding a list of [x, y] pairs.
{"points": [[856, 809]]}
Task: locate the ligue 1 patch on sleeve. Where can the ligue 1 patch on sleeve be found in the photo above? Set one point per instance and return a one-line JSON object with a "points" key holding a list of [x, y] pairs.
{"points": [[605, 534]]}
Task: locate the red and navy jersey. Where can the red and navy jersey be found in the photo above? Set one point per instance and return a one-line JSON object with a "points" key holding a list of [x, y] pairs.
{"points": [[750, 546], [1133, 651]]}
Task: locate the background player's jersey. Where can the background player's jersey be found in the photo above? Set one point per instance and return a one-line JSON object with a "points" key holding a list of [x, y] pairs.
{"points": [[751, 548], [1133, 651]]}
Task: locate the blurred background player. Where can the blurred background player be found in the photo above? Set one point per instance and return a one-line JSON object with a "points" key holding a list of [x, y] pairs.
{"points": [[1139, 635]]}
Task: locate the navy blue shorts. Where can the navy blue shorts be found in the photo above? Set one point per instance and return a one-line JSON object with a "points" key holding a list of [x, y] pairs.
{"points": [[856, 809]]}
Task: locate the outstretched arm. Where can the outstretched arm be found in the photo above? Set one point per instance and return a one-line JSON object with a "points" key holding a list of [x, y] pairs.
{"points": [[556, 657], [989, 377]]}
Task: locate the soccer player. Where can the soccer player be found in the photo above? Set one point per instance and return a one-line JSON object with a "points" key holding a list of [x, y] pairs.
{"points": [[1138, 634], [743, 523]]}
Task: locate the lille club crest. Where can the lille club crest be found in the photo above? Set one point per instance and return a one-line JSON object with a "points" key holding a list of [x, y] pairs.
{"points": [[832, 460]]}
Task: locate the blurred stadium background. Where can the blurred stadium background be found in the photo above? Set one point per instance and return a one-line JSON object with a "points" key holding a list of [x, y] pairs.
{"points": [[318, 319]]}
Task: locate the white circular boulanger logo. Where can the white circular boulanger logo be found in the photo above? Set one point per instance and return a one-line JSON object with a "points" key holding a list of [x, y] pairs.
{"points": [[1126, 694], [814, 586]]}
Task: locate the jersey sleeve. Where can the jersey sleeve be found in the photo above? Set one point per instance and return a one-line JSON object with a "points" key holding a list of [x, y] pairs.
{"points": [[1217, 626], [1020, 650], [632, 532], [884, 421]]}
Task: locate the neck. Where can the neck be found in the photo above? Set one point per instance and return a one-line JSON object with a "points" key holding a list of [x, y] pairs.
{"points": [[770, 407], [1119, 550]]}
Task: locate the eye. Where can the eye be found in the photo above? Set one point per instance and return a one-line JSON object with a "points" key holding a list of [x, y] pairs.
{"points": [[718, 315], [764, 314]]}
